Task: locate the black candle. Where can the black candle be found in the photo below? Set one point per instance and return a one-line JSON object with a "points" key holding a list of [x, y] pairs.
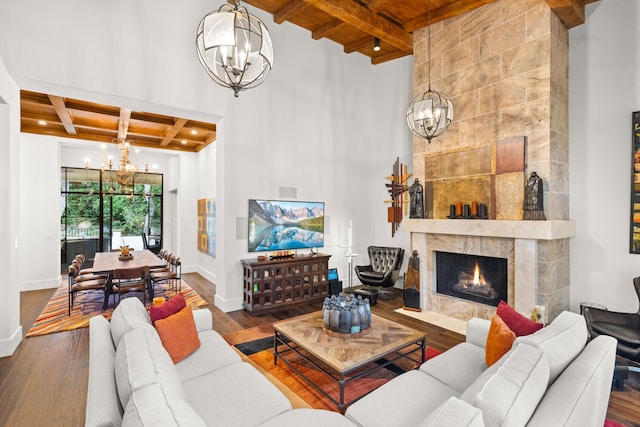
{"points": [[483, 210], [466, 211], [452, 211]]}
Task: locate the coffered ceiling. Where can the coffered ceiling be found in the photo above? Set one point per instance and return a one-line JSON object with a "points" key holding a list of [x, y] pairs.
{"points": [[72, 118]]}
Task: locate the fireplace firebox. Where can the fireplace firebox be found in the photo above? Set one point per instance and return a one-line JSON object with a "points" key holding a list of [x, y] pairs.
{"points": [[475, 278]]}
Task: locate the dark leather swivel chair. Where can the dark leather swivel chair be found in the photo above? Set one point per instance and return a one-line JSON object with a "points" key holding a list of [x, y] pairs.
{"points": [[625, 327], [384, 266]]}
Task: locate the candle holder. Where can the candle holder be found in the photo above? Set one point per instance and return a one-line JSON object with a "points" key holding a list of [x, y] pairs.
{"points": [[474, 210], [453, 211]]}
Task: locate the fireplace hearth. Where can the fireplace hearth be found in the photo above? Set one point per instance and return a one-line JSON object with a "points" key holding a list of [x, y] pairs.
{"points": [[475, 278]]}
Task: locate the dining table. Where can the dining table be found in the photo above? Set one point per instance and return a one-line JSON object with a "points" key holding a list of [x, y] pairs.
{"points": [[107, 262]]}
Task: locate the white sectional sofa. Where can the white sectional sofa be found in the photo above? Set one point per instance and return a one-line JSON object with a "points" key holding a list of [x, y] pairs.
{"points": [[550, 378], [133, 381]]}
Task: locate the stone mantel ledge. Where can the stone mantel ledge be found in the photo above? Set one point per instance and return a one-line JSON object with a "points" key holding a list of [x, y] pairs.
{"points": [[513, 229]]}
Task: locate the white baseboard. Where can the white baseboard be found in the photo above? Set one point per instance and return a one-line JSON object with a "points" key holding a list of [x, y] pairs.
{"points": [[36, 285], [230, 305], [8, 346], [205, 273]]}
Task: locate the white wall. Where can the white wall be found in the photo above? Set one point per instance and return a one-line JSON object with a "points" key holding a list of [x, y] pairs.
{"points": [[10, 329], [207, 265], [328, 124], [39, 212], [604, 89]]}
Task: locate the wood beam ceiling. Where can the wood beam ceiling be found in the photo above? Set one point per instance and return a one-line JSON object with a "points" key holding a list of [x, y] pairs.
{"points": [[365, 20], [53, 115], [355, 23], [441, 13]]}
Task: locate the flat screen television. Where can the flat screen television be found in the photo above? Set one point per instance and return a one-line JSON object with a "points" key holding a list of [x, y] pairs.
{"points": [[276, 225]]}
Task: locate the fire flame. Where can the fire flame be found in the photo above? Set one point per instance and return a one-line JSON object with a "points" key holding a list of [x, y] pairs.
{"points": [[476, 275]]}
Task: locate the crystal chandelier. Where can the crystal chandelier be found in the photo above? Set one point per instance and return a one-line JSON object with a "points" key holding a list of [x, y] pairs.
{"points": [[234, 47], [430, 113]]}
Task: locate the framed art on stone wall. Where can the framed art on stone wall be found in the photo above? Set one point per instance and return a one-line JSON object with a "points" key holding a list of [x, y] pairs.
{"points": [[635, 185]]}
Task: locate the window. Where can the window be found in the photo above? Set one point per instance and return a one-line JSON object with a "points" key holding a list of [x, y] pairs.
{"points": [[96, 216]]}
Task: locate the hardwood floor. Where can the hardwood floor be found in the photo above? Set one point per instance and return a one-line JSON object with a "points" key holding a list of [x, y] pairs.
{"points": [[45, 382]]}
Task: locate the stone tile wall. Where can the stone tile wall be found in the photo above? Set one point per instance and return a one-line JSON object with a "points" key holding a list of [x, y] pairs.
{"points": [[505, 67]]}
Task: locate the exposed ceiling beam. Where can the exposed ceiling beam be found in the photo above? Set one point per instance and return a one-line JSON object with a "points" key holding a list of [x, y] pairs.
{"points": [[389, 56], [63, 114], [210, 138], [366, 21], [571, 12], [358, 45], [376, 5], [454, 9], [288, 10], [326, 29], [173, 131], [123, 122]]}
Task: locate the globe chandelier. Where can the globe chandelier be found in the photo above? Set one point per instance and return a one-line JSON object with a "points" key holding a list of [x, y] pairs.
{"points": [[430, 113], [234, 47]]}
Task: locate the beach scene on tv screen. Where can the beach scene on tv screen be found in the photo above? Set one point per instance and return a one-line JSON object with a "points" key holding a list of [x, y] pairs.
{"points": [[285, 225]]}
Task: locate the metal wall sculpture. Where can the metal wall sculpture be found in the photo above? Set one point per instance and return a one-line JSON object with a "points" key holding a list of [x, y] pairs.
{"points": [[398, 190]]}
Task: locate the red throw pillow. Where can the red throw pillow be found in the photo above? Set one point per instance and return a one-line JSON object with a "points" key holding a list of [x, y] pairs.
{"points": [[519, 324], [166, 309], [178, 334], [499, 340]]}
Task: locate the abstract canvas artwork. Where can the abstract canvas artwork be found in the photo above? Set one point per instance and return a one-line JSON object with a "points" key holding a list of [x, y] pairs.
{"points": [[207, 226]]}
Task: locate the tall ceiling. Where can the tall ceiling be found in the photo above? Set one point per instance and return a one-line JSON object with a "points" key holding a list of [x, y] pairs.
{"points": [[355, 23], [351, 23]]}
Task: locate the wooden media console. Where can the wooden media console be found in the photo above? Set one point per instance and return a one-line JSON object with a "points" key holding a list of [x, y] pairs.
{"points": [[280, 282]]}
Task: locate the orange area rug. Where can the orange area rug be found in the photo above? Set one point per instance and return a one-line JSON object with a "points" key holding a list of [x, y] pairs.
{"points": [[260, 352], [55, 315]]}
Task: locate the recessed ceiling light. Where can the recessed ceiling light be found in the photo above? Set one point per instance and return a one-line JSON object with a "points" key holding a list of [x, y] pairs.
{"points": [[184, 142], [194, 132], [42, 122]]}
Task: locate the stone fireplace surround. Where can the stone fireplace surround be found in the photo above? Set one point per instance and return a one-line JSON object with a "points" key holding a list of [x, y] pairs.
{"points": [[505, 67], [536, 274]]}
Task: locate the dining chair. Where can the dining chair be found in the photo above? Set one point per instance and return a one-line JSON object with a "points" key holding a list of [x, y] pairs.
{"points": [[125, 280], [172, 274], [84, 274], [165, 256], [98, 283]]}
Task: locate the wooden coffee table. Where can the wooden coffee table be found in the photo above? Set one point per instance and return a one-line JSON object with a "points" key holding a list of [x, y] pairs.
{"points": [[345, 355]]}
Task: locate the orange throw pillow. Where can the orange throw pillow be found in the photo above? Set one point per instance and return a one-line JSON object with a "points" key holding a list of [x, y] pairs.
{"points": [[178, 334], [499, 340]]}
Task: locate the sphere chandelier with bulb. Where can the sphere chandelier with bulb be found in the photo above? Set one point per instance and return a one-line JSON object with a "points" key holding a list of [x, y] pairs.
{"points": [[234, 47], [430, 113]]}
